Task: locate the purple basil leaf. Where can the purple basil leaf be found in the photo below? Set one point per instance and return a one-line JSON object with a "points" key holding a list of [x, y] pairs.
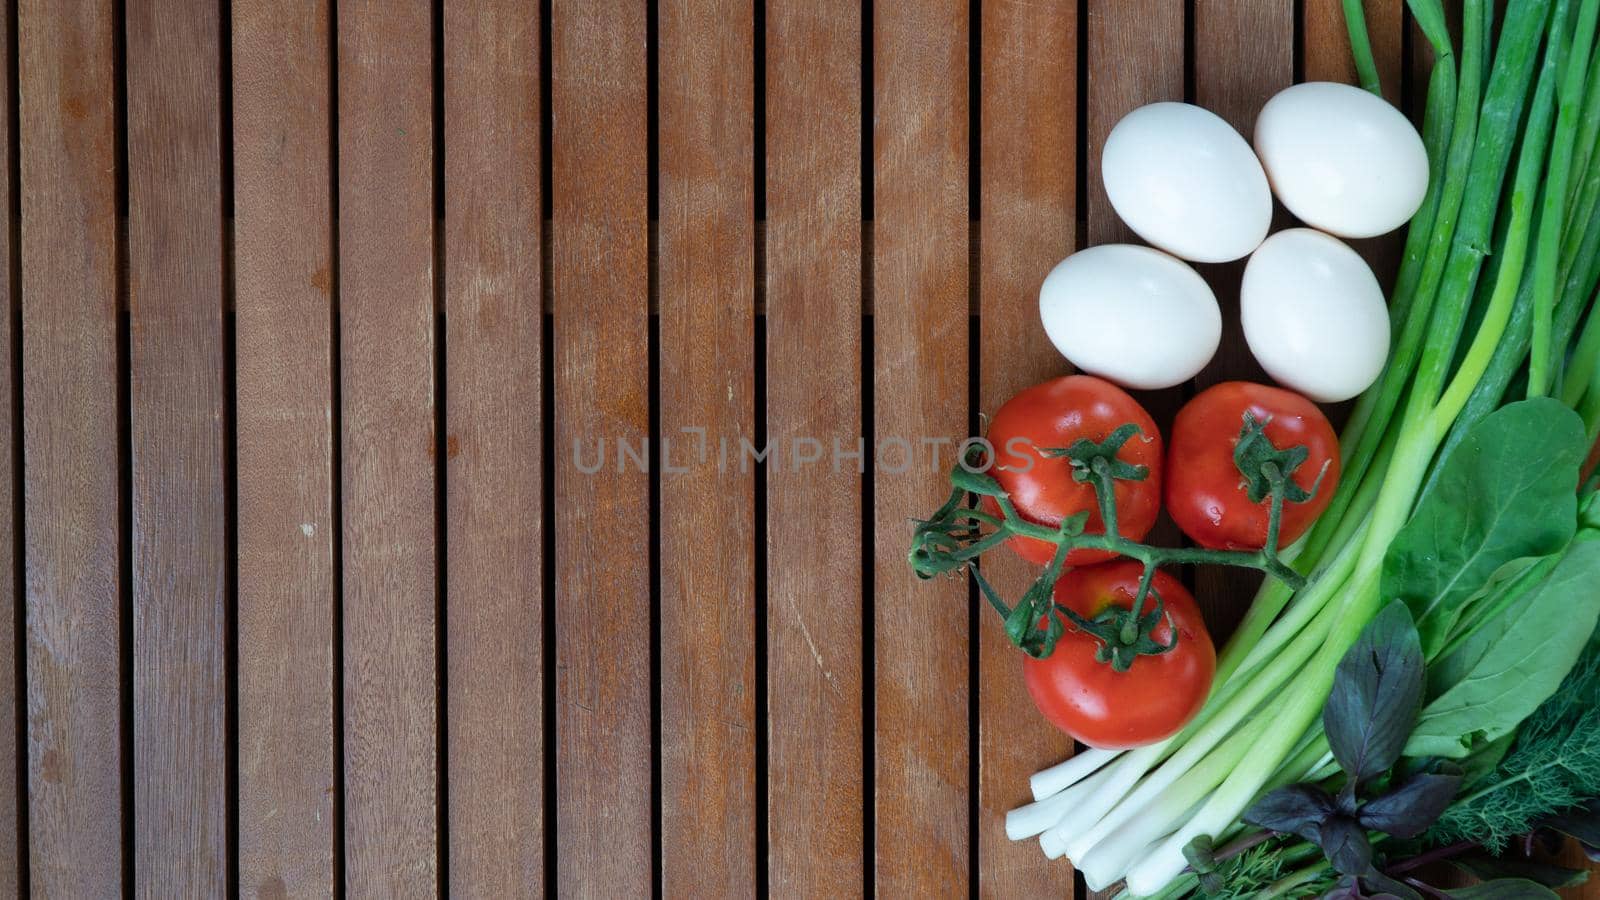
{"points": [[1377, 695], [1345, 844], [1292, 809], [1408, 810]]}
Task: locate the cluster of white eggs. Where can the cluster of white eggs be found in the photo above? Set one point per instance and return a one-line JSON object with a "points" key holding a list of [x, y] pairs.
{"points": [[1340, 159]]}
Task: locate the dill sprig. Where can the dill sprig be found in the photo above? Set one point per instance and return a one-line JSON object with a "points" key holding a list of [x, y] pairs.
{"points": [[1553, 765]]}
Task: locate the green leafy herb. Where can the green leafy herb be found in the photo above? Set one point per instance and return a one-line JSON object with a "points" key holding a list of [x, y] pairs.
{"points": [[1505, 493], [1522, 657], [1553, 766]]}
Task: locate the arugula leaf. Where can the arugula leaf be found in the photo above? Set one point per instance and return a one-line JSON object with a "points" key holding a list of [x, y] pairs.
{"points": [[1508, 491], [1377, 692], [1528, 650], [1553, 768]]}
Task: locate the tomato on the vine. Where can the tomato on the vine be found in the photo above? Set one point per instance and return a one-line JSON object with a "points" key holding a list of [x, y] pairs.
{"points": [[1157, 695], [1054, 415], [1206, 493]]}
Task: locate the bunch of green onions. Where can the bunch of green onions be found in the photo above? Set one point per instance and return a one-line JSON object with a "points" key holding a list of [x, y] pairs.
{"points": [[1514, 151]]}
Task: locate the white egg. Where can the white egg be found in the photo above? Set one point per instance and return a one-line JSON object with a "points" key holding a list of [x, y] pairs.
{"points": [[1342, 159], [1185, 181], [1130, 314], [1314, 315]]}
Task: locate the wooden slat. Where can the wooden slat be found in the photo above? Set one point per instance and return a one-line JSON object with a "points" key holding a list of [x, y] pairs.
{"points": [[1136, 56], [179, 505], [69, 394], [1028, 196], [1572, 855], [707, 266], [491, 132], [13, 849], [600, 267], [920, 309], [284, 278], [814, 617], [1243, 55], [386, 351]]}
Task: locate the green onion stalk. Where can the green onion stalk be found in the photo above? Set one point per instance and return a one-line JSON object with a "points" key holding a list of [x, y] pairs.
{"points": [[1514, 152]]}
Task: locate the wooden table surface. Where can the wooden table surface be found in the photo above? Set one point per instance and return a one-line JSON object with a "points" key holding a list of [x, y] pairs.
{"points": [[317, 314]]}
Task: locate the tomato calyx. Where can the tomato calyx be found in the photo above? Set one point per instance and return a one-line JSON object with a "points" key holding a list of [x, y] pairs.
{"points": [[1266, 468], [1268, 472], [1127, 634], [1092, 460]]}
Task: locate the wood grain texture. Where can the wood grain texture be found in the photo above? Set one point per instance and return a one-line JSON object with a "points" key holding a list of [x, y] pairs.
{"points": [[1028, 197], [1572, 856], [920, 330], [814, 617], [495, 591], [1243, 55], [180, 691], [69, 393], [602, 397], [707, 266], [13, 847], [386, 348], [284, 280], [1136, 56]]}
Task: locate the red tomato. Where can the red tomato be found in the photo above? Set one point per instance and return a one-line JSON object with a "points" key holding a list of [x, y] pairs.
{"points": [[1056, 414], [1206, 493], [1155, 697]]}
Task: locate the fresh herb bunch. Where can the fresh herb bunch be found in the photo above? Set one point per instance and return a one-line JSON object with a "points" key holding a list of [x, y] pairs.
{"points": [[1552, 768], [1369, 717], [1359, 824]]}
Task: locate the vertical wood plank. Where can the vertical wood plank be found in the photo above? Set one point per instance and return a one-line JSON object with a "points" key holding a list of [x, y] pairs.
{"points": [[1244, 54], [1028, 199], [386, 348], [600, 267], [814, 617], [13, 850], [1573, 856], [1136, 56], [69, 394], [284, 277], [491, 132], [179, 505], [707, 267], [920, 309]]}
